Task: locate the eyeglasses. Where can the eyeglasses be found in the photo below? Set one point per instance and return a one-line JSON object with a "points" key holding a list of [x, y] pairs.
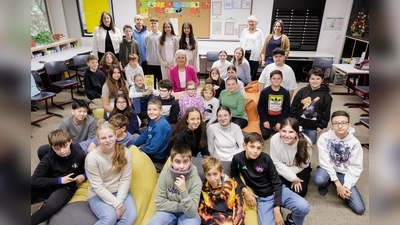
{"points": [[163, 90], [124, 102], [343, 124], [191, 89]]}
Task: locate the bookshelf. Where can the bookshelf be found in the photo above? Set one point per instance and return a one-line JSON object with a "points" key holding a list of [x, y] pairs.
{"points": [[39, 51], [354, 46]]}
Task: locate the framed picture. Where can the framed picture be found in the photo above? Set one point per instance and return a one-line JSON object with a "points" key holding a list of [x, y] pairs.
{"points": [[229, 28], [216, 8]]}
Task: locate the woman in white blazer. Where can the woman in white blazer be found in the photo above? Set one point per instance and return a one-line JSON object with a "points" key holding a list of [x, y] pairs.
{"points": [[106, 37]]}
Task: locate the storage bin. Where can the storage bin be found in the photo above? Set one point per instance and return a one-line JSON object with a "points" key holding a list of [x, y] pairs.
{"points": [[339, 78]]}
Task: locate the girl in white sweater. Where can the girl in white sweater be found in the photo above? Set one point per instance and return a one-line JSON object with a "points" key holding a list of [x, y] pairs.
{"points": [[291, 153], [109, 171], [225, 139]]}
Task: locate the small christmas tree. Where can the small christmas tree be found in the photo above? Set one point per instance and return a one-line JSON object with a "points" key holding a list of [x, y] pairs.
{"points": [[358, 26]]}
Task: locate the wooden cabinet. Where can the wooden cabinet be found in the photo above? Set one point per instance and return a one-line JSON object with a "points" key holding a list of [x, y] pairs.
{"points": [[354, 47], [53, 48]]}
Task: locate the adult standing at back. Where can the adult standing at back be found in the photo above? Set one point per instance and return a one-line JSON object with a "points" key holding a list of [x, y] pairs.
{"points": [[106, 37], [139, 32], [251, 41], [188, 42], [274, 40]]}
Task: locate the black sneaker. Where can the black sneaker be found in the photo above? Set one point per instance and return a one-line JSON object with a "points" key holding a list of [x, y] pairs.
{"points": [[323, 190], [289, 220]]}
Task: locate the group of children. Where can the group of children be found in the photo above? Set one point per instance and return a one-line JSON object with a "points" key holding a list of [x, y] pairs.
{"points": [[207, 125], [181, 196]]}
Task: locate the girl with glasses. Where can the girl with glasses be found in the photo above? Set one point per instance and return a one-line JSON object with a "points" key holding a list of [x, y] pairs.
{"points": [[190, 98]]}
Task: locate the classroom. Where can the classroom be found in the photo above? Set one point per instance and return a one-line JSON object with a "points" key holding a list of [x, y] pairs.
{"points": [[217, 25]]}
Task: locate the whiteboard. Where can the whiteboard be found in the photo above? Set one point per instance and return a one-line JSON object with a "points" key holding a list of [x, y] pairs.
{"points": [[228, 18]]}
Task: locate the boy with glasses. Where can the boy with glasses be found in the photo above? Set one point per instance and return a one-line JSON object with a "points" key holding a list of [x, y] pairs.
{"points": [[340, 161], [169, 105]]}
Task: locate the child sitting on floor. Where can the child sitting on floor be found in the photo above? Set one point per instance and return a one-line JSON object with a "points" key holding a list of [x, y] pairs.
{"points": [[178, 190], [221, 198], [269, 195], [57, 175], [154, 141], [340, 161]]}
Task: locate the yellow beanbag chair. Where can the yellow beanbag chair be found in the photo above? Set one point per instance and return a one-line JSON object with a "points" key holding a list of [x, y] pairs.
{"points": [[143, 184]]}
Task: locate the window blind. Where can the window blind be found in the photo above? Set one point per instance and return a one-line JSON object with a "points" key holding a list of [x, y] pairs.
{"points": [[302, 20]]}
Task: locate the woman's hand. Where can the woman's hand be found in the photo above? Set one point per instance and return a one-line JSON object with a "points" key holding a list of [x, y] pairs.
{"points": [[267, 125]]}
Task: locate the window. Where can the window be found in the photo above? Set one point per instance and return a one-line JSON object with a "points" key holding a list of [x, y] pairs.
{"points": [[39, 17], [90, 12], [302, 23]]}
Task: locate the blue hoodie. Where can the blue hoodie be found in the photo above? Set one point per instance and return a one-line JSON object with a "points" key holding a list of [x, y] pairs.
{"points": [[139, 37], [156, 139]]}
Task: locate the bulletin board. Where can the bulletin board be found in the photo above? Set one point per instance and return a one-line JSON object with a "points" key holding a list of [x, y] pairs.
{"points": [[196, 12], [229, 18]]}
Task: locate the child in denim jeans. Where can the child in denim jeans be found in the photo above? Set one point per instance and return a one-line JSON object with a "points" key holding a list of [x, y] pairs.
{"points": [[340, 161], [269, 195], [178, 190]]}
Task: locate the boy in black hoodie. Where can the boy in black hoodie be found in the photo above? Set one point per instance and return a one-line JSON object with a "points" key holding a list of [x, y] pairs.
{"points": [[311, 105], [57, 175], [169, 104]]}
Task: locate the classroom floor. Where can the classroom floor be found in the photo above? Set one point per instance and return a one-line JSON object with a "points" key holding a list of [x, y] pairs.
{"points": [[329, 209]]}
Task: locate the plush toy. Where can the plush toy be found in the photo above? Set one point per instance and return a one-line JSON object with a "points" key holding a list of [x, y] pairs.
{"points": [[308, 107]]}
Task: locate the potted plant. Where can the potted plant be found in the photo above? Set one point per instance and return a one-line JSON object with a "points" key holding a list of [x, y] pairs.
{"points": [[43, 38], [358, 26]]}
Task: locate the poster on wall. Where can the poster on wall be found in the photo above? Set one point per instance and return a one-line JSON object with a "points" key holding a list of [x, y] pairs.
{"points": [[334, 23], [174, 22], [216, 28], [216, 8], [228, 4], [229, 28], [246, 4]]}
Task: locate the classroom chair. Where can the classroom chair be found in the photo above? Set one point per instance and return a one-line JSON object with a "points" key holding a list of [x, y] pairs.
{"points": [[324, 64], [80, 66], [42, 96], [58, 69], [211, 57]]}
